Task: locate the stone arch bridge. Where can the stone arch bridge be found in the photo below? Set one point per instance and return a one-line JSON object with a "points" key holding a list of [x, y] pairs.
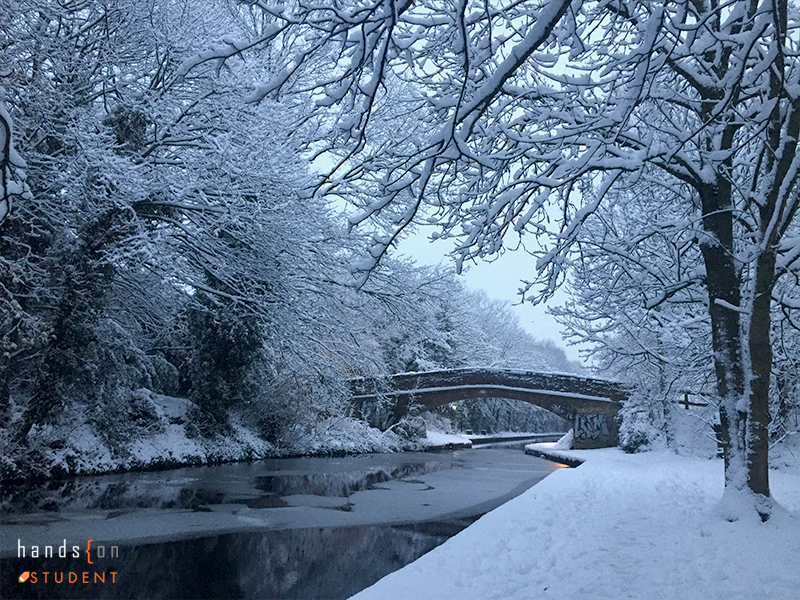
{"points": [[589, 404]]}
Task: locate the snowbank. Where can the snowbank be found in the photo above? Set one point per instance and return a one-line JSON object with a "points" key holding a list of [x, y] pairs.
{"points": [[439, 439], [163, 438], [620, 526]]}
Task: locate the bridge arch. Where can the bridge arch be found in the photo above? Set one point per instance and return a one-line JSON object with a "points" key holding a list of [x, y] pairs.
{"points": [[589, 404]]}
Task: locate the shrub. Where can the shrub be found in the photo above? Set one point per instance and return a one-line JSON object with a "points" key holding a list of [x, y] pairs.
{"points": [[641, 423], [226, 343]]}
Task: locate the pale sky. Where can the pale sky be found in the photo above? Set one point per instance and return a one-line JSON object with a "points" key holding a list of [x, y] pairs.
{"points": [[500, 279]]}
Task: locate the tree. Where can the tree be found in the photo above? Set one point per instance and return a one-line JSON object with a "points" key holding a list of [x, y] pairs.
{"points": [[155, 197], [57, 67], [164, 239], [528, 108]]}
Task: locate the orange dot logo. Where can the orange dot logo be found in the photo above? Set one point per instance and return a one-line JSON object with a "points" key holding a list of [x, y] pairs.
{"points": [[24, 577]]}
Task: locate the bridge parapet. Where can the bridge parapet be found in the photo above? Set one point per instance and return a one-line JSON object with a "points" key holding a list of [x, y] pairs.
{"points": [[590, 404]]}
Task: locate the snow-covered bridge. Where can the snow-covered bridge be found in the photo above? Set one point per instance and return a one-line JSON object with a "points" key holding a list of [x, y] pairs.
{"points": [[589, 404]]}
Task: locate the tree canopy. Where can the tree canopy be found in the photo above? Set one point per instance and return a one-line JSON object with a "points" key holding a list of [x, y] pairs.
{"points": [[647, 149], [158, 239], [521, 119]]}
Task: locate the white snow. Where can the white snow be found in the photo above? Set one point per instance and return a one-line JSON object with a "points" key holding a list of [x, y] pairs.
{"points": [[619, 526], [73, 446], [439, 438]]}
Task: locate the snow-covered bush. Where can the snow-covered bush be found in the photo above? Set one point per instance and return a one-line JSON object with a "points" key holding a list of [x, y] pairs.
{"points": [[642, 425], [410, 427], [436, 422]]}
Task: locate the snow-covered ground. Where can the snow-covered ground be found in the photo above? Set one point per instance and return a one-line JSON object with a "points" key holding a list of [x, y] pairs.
{"points": [[621, 525], [439, 438]]}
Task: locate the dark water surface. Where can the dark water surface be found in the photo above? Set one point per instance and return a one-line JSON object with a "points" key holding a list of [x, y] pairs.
{"points": [[285, 528]]}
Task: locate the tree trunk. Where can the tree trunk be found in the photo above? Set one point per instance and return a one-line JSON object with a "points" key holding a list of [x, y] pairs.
{"points": [[724, 297], [761, 360], [781, 149]]}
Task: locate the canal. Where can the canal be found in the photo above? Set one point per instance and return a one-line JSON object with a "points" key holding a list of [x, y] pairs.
{"points": [[283, 528]]}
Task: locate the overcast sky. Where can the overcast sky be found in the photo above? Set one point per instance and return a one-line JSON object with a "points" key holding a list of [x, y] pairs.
{"points": [[500, 279]]}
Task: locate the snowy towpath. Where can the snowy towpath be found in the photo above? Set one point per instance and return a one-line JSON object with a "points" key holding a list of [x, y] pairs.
{"points": [[620, 526]]}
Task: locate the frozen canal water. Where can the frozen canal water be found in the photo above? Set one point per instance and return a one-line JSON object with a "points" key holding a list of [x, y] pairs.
{"points": [[283, 528]]}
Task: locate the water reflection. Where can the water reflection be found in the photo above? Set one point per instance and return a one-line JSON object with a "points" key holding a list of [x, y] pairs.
{"points": [[339, 485], [329, 563], [259, 485]]}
